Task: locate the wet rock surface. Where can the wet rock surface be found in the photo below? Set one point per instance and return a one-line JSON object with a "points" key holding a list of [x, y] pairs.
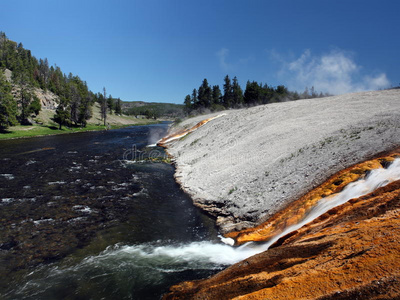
{"points": [[350, 252]]}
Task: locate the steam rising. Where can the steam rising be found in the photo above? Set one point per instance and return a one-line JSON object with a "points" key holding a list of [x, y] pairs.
{"points": [[155, 135]]}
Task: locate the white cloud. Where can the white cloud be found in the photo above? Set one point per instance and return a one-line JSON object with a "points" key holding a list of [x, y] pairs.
{"points": [[335, 73]]}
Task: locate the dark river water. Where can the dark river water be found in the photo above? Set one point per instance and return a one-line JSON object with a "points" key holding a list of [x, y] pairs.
{"points": [[87, 216]]}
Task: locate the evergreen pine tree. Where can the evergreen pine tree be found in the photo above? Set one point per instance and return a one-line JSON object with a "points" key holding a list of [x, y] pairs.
{"points": [[237, 93], [253, 93], [118, 107], [24, 100], [85, 112], [205, 95], [227, 98], [194, 99], [62, 115], [75, 103], [35, 106], [216, 95], [8, 107], [188, 104], [110, 104]]}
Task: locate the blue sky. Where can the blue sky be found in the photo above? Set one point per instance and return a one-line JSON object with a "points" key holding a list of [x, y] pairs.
{"points": [[160, 50]]}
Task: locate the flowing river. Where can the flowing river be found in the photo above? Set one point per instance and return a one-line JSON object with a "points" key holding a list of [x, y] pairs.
{"points": [[88, 216]]}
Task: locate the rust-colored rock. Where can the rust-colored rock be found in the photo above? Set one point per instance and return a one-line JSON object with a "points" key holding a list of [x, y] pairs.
{"points": [[298, 209], [350, 252], [180, 134]]}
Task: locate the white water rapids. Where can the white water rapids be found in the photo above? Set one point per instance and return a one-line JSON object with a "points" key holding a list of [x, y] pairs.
{"points": [[146, 264]]}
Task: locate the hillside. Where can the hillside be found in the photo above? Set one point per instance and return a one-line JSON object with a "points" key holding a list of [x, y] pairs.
{"points": [[38, 99], [46, 116], [43, 123], [153, 109]]}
